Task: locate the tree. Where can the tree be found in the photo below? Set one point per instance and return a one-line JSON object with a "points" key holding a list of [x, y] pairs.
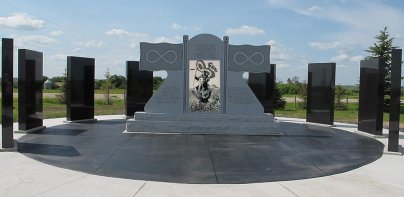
{"points": [[107, 87], [382, 48], [62, 96], [157, 81], [302, 93], [279, 101], [340, 93], [118, 81]]}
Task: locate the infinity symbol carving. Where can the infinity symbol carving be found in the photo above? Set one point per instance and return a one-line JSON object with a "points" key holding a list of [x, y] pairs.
{"points": [[161, 56], [248, 58]]}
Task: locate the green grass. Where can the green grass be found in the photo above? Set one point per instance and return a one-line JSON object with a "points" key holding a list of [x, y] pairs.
{"points": [[347, 116], [53, 109], [98, 91]]}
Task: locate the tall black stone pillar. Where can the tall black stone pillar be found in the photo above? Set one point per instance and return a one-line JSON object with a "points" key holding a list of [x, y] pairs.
{"points": [[80, 89], [321, 93], [30, 67], [7, 93], [371, 90], [263, 86], [139, 88], [394, 124]]}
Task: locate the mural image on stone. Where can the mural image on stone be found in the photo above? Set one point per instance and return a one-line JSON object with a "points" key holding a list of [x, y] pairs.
{"points": [[204, 83], [204, 91]]}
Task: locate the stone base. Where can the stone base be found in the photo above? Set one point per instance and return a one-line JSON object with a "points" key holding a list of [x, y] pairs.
{"points": [[80, 121], [192, 123], [12, 149], [33, 130]]}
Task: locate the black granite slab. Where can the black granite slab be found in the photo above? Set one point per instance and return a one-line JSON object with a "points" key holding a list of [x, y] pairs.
{"points": [[394, 120], [139, 88], [371, 93], [7, 55], [263, 86], [320, 93], [304, 151], [80, 88], [30, 87]]}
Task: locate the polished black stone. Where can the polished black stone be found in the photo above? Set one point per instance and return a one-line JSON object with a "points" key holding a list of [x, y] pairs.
{"points": [[305, 151], [7, 55], [394, 120], [371, 91], [80, 88], [139, 88], [320, 93], [30, 87], [263, 86]]}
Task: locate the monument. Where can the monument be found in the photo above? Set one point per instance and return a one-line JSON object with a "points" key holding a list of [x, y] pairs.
{"points": [[204, 91], [80, 89], [7, 54], [394, 120], [371, 91], [139, 88], [263, 86], [30, 87], [321, 93]]}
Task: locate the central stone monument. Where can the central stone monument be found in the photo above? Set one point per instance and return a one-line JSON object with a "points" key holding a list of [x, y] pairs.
{"points": [[204, 92]]}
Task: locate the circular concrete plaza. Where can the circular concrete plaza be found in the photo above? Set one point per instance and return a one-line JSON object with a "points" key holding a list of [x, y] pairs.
{"points": [[100, 148]]}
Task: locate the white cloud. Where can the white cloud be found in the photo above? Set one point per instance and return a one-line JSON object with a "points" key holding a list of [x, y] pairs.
{"points": [[91, 44], [56, 33], [343, 57], [33, 41], [325, 45], [21, 21], [178, 27], [59, 57], [117, 32], [164, 39], [314, 8], [245, 30]]}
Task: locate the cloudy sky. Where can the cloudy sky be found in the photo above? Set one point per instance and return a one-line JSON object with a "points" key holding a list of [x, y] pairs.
{"points": [[300, 32]]}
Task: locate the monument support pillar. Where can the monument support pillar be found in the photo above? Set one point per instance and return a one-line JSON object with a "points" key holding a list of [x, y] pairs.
{"points": [[394, 120], [7, 55]]}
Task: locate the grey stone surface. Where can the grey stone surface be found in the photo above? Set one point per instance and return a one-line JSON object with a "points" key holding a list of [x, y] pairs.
{"points": [[236, 124], [247, 58], [199, 81], [169, 98]]}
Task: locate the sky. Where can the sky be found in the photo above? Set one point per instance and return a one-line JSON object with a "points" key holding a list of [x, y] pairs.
{"points": [[299, 31]]}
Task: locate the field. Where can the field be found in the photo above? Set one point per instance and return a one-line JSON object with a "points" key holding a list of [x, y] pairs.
{"points": [[53, 109]]}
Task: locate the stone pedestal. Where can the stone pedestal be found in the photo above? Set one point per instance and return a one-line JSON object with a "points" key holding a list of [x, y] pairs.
{"points": [[191, 123]]}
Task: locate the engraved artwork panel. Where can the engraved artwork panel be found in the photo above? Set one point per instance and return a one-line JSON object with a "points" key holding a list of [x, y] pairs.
{"points": [[204, 86]]}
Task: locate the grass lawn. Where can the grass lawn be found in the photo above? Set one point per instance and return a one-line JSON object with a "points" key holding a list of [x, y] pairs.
{"points": [[98, 91], [53, 109], [346, 116]]}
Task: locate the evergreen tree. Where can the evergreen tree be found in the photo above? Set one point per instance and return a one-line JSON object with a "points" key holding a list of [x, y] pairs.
{"points": [[382, 49]]}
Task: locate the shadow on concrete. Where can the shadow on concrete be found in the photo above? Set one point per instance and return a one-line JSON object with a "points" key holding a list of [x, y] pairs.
{"points": [[303, 152]]}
